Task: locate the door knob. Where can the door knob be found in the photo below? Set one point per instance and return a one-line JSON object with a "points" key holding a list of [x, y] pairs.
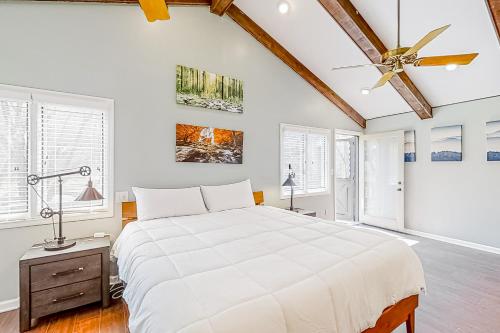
{"points": [[398, 189]]}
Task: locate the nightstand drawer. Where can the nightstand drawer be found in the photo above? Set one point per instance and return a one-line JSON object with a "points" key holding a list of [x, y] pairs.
{"points": [[66, 297], [59, 273]]}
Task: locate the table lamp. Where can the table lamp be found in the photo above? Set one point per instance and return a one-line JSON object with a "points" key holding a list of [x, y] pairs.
{"points": [[88, 194], [289, 182]]}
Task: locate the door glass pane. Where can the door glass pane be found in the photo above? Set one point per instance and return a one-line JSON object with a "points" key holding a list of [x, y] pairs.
{"points": [[343, 159], [381, 177]]}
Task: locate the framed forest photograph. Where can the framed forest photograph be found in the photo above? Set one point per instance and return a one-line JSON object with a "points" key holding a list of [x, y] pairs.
{"points": [[203, 144], [200, 88]]}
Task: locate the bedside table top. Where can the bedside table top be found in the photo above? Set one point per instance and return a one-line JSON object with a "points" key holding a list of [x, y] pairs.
{"points": [[304, 211], [82, 244]]}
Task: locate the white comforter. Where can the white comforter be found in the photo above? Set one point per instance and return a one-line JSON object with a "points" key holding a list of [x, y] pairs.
{"points": [[260, 270]]}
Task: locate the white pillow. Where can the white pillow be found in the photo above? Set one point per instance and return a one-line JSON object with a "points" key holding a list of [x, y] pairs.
{"points": [[222, 197], [155, 203]]}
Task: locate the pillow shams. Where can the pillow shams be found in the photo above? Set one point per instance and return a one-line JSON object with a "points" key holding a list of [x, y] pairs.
{"points": [[157, 203], [231, 196]]}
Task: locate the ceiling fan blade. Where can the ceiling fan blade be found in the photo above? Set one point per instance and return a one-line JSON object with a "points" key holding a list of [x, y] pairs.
{"points": [[155, 9], [383, 80], [426, 40], [357, 66], [457, 59]]}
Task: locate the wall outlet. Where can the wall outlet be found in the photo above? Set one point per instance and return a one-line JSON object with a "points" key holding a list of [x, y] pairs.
{"points": [[121, 196]]}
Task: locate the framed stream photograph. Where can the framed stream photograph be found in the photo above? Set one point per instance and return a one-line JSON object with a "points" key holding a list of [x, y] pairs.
{"points": [[203, 144]]}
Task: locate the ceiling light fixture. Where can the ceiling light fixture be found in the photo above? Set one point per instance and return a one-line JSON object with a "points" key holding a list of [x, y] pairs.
{"points": [[451, 67], [283, 7], [365, 91]]}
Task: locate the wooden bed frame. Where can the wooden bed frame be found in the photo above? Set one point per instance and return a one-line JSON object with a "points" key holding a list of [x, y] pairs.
{"points": [[391, 318]]}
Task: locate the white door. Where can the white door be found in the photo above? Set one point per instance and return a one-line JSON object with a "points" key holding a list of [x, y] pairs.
{"points": [[381, 180]]}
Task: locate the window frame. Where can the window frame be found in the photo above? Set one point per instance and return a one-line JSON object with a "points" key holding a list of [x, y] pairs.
{"points": [[328, 160], [34, 98]]}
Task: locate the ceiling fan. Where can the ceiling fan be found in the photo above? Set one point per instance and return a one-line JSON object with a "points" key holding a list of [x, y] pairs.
{"points": [[396, 58]]}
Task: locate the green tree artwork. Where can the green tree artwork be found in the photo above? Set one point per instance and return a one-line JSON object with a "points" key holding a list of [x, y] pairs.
{"points": [[195, 87]]}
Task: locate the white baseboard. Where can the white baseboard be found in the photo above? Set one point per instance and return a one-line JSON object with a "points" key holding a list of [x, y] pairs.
{"points": [[454, 241], [9, 305]]}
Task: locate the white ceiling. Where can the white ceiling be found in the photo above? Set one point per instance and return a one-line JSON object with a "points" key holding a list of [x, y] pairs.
{"points": [[312, 36]]}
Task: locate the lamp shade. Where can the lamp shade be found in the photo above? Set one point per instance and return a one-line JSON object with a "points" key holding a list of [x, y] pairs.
{"points": [[289, 181], [89, 194]]}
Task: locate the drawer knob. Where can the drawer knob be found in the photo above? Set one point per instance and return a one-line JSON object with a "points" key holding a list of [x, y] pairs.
{"points": [[66, 298], [69, 271]]}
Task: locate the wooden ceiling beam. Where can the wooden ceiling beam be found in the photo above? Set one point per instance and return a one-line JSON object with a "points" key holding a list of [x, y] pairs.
{"points": [[349, 19], [272, 45], [494, 6], [168, 2], [219, 7]]}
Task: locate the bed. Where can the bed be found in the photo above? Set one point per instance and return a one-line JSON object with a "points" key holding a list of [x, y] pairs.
{"points": [[264, 269]]}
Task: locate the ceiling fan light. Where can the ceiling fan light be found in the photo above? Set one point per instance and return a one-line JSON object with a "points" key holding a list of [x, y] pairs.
{"points": [[283, 7], [365, 91], [451, 67]]}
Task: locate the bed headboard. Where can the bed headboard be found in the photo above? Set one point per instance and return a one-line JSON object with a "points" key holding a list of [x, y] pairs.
{"points": [[129, 208]]}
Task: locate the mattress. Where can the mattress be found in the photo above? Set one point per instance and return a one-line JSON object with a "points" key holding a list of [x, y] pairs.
{"points": [[261, 269]]}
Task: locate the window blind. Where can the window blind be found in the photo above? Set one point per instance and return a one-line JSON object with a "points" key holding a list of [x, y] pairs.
{"points": [[14, 157], [293, 153], [306, 150], [70, 137]]}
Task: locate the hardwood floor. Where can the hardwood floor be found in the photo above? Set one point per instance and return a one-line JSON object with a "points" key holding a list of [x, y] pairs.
{"points": [[87, 319], [463, 289], [463, 295]]}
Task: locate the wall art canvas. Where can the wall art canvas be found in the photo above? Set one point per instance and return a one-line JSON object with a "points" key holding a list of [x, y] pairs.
{"points": [[446, 143], [195, 87], [203, 144], [493, 140], [410, 152]]}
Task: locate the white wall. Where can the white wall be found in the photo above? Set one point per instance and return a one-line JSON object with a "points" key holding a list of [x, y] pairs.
{"points": [[111, 51], [460, 200]]}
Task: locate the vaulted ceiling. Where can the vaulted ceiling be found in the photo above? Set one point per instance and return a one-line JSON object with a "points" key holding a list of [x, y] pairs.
{"points": [[309, 32], [316, 35]]}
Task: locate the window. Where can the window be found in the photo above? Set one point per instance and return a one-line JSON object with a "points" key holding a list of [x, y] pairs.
{"points": [[14, 156], [45, 133], [306, 150]]}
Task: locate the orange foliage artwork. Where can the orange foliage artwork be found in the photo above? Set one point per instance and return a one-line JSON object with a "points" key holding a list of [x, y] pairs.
{"points": [[208, 145]]}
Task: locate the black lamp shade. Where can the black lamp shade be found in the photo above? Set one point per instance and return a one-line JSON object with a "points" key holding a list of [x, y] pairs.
{"points": [[289, 182]]}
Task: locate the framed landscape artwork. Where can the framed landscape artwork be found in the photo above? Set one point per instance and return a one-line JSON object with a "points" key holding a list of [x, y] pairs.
{"points": [[203, 144], [195, 87], [410, 153], [446, 143], [493, 140]]}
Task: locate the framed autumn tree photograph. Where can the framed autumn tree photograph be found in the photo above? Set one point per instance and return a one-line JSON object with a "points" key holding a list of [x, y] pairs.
{"points": [[203, 144], [195, 87]]}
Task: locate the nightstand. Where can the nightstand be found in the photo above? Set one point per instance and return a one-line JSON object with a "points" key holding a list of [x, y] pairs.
{"points": [[51, 282], [305, 212]]}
